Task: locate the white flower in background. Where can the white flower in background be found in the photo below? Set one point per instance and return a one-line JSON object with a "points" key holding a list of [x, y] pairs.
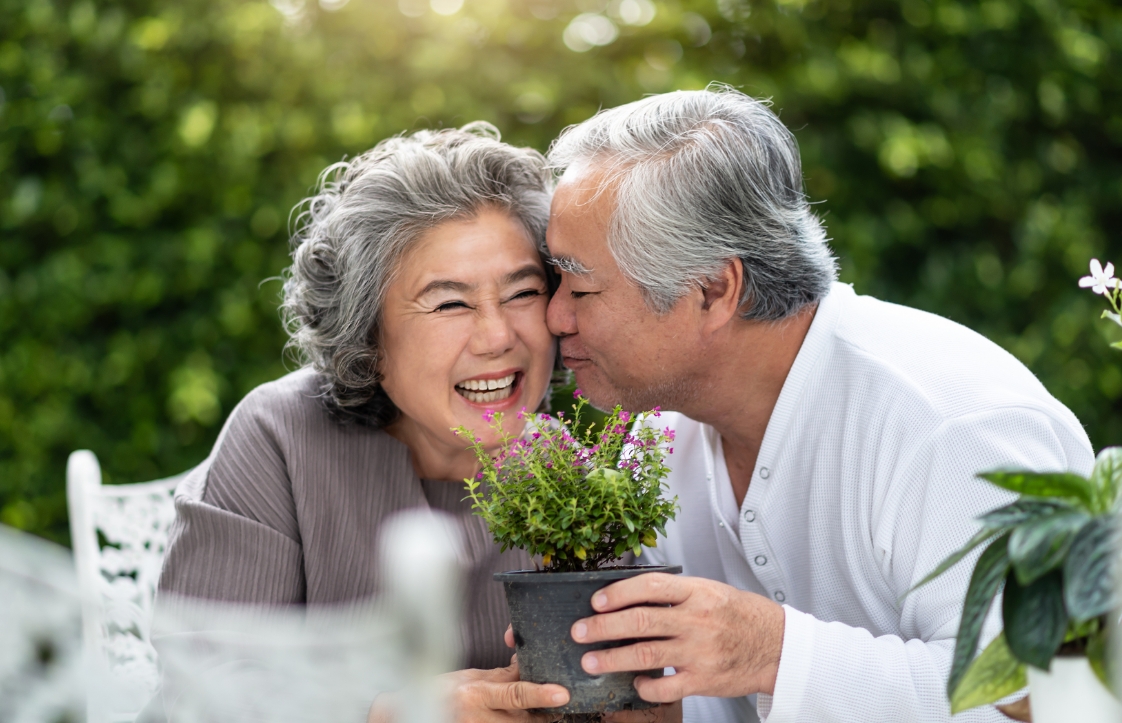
{"points": [[1101, 280]]}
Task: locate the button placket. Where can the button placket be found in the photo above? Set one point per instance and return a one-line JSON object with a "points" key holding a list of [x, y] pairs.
{"points": [[757, 553]]}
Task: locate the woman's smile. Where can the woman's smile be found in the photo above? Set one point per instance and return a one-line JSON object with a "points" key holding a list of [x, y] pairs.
{"points": [[491, 389]]}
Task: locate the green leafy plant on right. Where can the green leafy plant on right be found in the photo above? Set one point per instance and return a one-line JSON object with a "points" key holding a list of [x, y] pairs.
{"points": [[1055, 550]]}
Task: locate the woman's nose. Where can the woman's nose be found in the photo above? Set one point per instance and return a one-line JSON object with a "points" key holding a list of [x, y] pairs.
{"points": [[494, 334]]}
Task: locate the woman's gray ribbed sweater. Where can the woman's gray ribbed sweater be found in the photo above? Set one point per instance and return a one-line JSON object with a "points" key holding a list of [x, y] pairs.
{"points": [[287, 510]]}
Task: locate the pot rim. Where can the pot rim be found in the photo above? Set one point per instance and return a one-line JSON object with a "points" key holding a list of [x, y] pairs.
{"points": [[620, 572]]}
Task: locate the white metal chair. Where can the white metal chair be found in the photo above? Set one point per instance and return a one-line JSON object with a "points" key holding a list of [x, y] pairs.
{"points": [[238, 664], [119, 534]]}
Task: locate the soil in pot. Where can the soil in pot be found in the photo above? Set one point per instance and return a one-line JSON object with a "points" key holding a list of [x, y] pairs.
{"points": [[543, 608]]}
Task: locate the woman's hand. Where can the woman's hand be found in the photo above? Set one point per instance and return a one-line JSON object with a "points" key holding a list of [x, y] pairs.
{"points": [[487, 696]]}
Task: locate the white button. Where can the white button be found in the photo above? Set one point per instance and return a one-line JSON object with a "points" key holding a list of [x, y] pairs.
{"points": [[761, 560], [750, 515], [764, 472], [720, 524], [779, 596]]}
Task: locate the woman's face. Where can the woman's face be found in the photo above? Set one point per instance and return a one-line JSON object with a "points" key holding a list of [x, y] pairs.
{"points": [[463, 332]]}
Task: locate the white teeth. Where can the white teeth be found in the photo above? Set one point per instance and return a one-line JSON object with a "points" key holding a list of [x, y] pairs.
{"points": [[480, 391]]}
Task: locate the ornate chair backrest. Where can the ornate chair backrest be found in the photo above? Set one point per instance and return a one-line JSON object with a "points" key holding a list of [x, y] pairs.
{"points": [[119, 534]]}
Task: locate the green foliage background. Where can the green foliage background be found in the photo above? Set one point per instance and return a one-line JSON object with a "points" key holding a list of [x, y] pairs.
{"points": [[966, 157]]}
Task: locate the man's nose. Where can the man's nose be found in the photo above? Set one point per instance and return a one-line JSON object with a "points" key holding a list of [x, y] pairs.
{"points": [[560, 316]]}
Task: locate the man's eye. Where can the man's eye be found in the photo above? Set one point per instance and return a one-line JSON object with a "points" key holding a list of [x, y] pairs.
{"points": [[580, 294]]}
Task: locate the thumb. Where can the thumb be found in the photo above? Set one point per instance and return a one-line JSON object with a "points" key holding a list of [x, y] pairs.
{"points": [[523, 696]]}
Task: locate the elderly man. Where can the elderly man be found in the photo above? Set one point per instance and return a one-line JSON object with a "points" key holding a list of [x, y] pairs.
{"points": [[827, 442]]}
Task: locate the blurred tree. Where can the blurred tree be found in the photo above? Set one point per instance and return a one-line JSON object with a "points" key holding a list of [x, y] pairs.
{"points": [[966, 157]]}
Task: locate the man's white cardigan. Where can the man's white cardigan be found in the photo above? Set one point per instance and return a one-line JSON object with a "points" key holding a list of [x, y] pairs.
{"points": [[865, 481]]}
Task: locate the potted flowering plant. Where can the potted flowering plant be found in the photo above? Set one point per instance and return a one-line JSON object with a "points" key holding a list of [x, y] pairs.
{"points": [[581, 499], [1055, 550]]}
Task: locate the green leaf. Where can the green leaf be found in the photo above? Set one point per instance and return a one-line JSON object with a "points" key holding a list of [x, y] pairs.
{"points": [[1091, 569], [1040, 545], [1102, 662], [984, 584], [1107, 477], [953, 559], [994, 675], [1024, 509], [1064, 485], [1035, 620], [1116, 345]]}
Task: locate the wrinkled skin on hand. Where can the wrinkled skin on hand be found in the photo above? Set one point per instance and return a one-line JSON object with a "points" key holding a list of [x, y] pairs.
{"points": [[721, 641]]}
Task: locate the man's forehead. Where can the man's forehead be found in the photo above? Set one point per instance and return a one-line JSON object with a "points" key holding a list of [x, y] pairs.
{"points": [[584, 188]]}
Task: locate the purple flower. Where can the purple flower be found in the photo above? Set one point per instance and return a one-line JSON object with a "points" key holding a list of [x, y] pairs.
{"points": [[625, 416], [522, 413], [577, 393], [489, 416], [479, 475]]}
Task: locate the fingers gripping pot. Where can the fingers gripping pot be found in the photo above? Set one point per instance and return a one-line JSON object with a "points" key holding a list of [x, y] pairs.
{"points": [[543, 608]]}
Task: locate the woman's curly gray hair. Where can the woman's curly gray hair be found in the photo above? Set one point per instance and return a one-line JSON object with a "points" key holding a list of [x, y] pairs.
{"points": [[351, 235]]}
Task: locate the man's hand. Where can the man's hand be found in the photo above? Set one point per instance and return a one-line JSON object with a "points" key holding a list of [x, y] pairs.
{"points": [[487, 696], [721, 641]]}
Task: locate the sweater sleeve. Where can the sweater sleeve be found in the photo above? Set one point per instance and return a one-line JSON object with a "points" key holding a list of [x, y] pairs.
{"points": [[236, 537], [830, 671]]}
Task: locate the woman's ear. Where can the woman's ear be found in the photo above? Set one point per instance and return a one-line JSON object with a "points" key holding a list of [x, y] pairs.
{"points": [[721, 294]]}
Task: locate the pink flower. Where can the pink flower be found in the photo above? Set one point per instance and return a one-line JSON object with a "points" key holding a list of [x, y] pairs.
{"points": [[479, 475], [625, 416], [522, 413], [489, 416], [577, 393]]}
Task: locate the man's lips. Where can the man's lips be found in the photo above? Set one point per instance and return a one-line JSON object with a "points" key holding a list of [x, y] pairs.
{"points": [[573, 361]]}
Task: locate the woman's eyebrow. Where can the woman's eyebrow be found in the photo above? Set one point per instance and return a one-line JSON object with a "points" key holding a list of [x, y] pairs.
{"points": [[526, 272], [445, 285]]}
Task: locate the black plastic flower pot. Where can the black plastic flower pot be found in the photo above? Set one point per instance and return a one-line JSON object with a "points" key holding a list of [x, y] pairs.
{"points": [[543, 608]]}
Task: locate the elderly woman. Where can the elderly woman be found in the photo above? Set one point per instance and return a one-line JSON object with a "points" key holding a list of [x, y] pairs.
{"points": [[417, 299]]}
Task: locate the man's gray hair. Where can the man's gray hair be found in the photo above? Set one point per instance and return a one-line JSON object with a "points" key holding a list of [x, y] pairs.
{"points": [[366, 213], [701, 177]]}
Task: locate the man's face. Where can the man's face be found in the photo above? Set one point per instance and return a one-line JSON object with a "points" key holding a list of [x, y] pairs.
{"points": [[620, 350]]}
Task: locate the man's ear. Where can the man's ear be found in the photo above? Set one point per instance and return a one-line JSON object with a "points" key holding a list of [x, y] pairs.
{"points": [[721, 294]]}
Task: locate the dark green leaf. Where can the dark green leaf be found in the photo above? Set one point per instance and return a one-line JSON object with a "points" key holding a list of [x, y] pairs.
{"points": [[1107, 477], [1040, 545], [1022, 510], [984, 584], [1091, 570], [1064, 485], [1035, 620], [993, 675], [954, 558]]}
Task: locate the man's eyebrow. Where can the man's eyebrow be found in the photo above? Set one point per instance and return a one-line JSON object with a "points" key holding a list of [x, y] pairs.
{"points": [[529, 271], [445, 285], [570, 265]]}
